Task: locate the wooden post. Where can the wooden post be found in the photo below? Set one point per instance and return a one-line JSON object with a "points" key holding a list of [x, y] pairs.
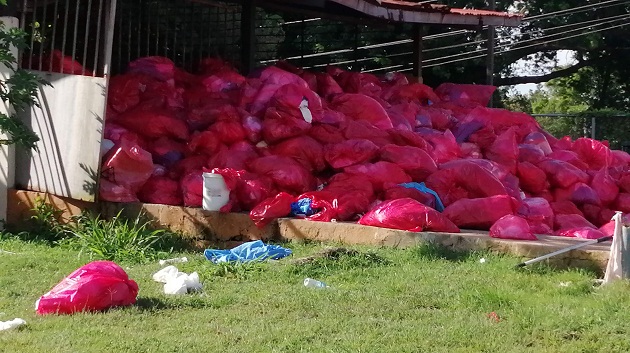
{"points": [[248, 36], [490, 52], [418, 31]]}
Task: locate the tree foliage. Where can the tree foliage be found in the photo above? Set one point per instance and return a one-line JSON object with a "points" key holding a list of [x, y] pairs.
{"points": [[19, 91]]}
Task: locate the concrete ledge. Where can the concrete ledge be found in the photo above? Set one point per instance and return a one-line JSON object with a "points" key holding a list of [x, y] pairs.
{"points": [[196, 225], [593, 256], [204, 229]]}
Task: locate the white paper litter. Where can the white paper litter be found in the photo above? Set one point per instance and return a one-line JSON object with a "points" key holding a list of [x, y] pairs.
{"points": [[176, 282], [11, 324]]}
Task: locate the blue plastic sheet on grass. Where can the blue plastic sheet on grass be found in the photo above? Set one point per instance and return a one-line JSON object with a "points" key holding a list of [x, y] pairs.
{"points": [[302, 207], [439, 206], [246, 252]]}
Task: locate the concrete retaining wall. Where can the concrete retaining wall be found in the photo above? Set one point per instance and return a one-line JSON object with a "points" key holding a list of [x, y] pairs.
{"points": [[204, 229]]}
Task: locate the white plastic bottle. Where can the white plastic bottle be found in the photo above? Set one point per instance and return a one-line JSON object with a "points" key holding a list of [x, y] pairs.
{"points": [[215, 192], [313, 283], [11, 324]]}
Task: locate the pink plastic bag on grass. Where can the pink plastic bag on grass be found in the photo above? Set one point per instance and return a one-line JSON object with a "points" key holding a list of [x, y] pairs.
{"points": [[96, 286], [271, 209], [407, 214], [512, 227]]}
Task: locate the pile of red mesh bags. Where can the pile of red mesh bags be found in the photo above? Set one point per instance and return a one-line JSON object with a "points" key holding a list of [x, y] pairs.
{"points": [[356, 145]]}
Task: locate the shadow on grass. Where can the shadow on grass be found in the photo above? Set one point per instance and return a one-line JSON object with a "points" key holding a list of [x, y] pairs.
{"points": [[433, 252], [156, 304]]}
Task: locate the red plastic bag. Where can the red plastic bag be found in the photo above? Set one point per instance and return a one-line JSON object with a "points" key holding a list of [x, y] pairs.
{"points": [[536, 210], [187, 165], [605, 186], [128, 165], [236, 156], [191, 186], [530, 153], [570, 157], [436, 118], [327, 87], [379, 173], [596, 214], [504, 150], [365, 130], [253, 189], [325, 211], [350, 152], [480, 213], [562, 174], [252, 127], [532, 179], [565, 207], [111, 192], [229, 131], [403, 116], [470, 150], [225, 81], [538, 139], [352, 193], [593, 152], [271, 209], [97, 286], [206, 143], [480, 94], [621, 158], [582, 233], [484, 137], [166, 151], [407, 214], [287, 174], [501, 120], [408, 138], [361, 107], [279, 126], [464, 179], [512, 227], [158, 67], [303, 149], [444, 146], [124, 91], [622, 203], [569, 221], [578, 193], [289, 98], [154, 124], [395, 192], [161, 190], [415, 92], [326, 134], [57, 62], [413, 160]]}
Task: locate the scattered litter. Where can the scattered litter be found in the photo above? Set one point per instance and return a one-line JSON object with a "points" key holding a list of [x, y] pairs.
{"points": [[11, 324], [565, 284], [7, 252], [482, 260], [250, 251], [313, 283], [173, 261], [176, 282], [494, 317], [96, 286]]}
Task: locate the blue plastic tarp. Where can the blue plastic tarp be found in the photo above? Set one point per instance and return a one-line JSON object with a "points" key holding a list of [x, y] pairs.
{"points": [[246, 252]]}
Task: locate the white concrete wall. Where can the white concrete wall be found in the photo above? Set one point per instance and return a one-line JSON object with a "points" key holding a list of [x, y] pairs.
{"points": [[7, 153]]}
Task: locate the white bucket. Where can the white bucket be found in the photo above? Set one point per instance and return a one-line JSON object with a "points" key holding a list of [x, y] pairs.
{"points": [[215, 192]]}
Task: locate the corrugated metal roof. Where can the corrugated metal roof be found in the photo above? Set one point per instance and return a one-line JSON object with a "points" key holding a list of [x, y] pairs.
{"points": [[418, 12]]}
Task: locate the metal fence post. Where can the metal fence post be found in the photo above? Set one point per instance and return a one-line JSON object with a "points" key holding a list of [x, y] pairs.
{"points": [[593, 126]]}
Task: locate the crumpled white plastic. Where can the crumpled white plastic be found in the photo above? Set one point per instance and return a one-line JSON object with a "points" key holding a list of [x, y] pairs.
{"points": [[11, 324], [176, 282]]}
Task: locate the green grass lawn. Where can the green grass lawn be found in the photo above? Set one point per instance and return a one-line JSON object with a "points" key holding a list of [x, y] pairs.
{"points": [[382, 300]]}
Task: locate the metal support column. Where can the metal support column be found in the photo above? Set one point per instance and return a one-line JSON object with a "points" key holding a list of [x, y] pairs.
{"points": [[248, 36], [490, 51], [418, 31]]}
